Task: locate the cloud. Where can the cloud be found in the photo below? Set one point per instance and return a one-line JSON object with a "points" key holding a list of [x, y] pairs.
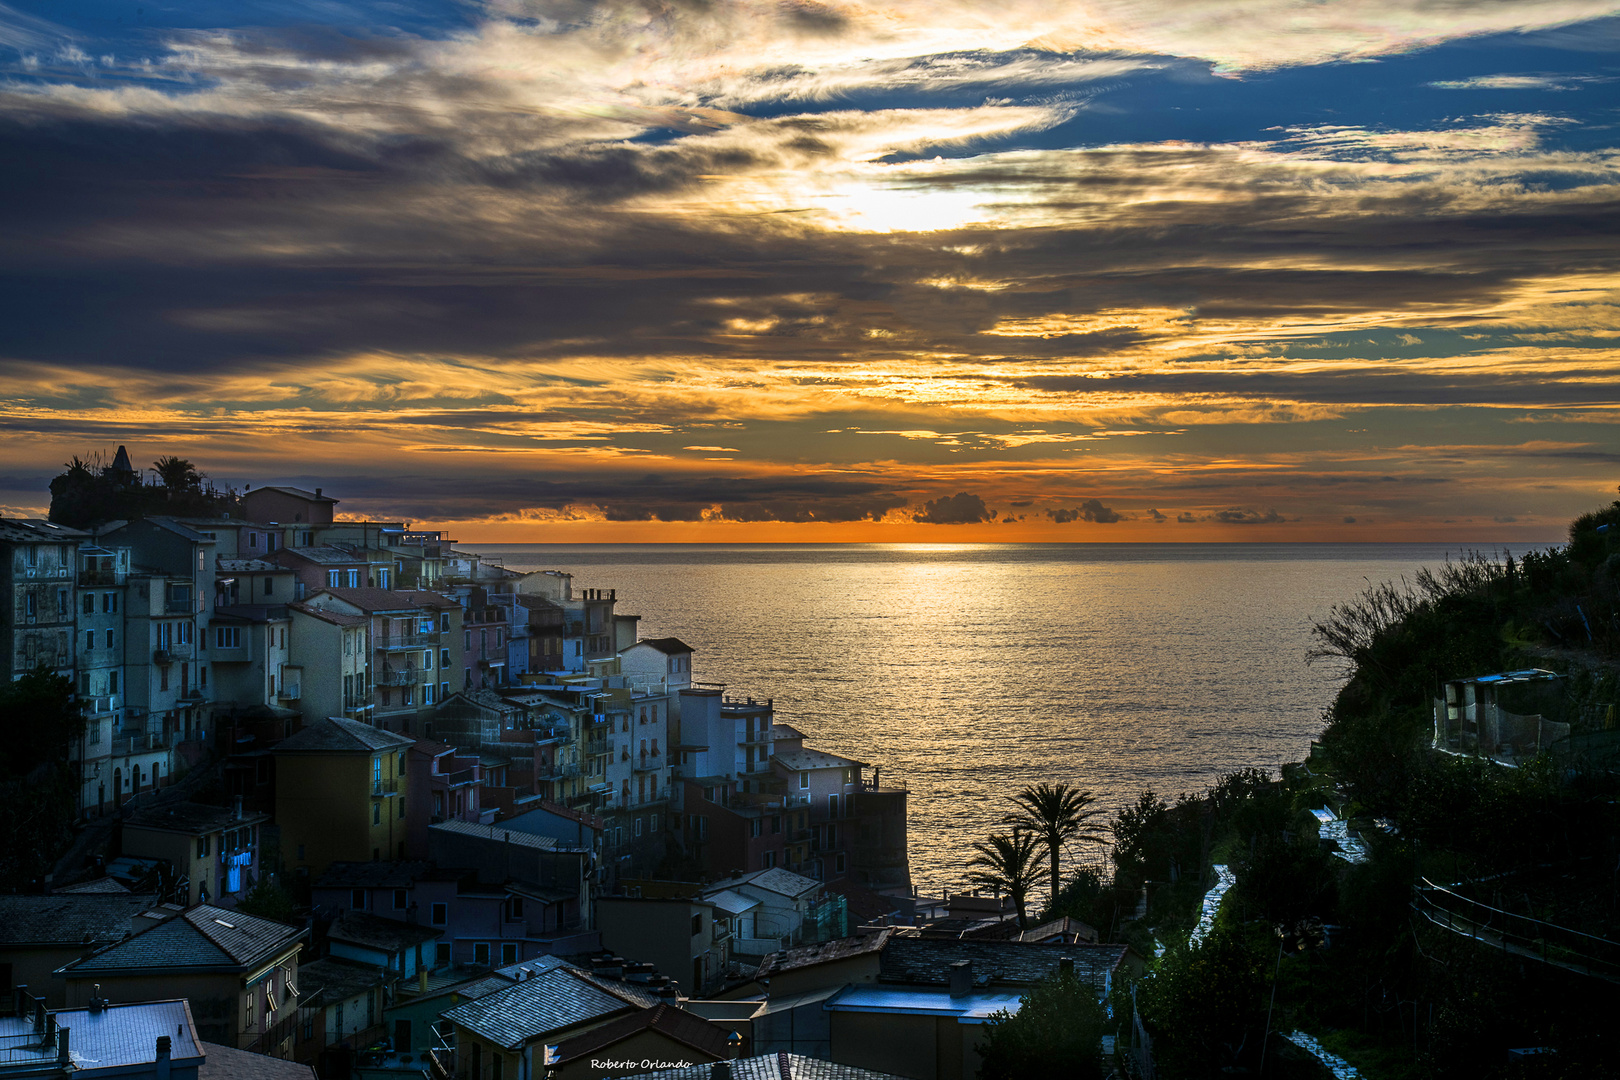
{"points": [[1186, 518], [959, 509], [1238, 516], [1156, 516], [1348, 520], [1089, 510]]}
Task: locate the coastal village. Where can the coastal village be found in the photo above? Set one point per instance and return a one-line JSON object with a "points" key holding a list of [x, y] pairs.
{"points": [[349, 801]]}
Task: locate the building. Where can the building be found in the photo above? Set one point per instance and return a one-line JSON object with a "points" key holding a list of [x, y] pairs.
{"points": [[40, 596], [677, 935], [146, 1040], [214, 850], [39, 934], [288, 505], [416, 648], [101, 679], [237, 972], [342, 789], [661, 1033], [332, 651]]}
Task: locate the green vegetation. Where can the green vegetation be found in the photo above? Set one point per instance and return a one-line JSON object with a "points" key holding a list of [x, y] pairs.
{"points": [[1056, 1034], [1359, 955], [1057, 813], [268, 900], [37, 781], [1010, 864], [92, 491]]}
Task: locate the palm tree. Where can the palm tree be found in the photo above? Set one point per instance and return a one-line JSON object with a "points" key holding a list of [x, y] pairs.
{"points": [[1057, 813], [177, 473], [1008, 862]]}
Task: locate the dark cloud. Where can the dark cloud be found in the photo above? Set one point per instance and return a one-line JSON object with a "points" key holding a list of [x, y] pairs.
{"points": [[959, 509], [1349, 520], [1156, 516], [1238, 516], [1185, 517], [1089, 510]]}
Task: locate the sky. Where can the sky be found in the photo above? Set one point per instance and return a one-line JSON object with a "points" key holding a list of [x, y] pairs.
{"points": [[737, 270]]}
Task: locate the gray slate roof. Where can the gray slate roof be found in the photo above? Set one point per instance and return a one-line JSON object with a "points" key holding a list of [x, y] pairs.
{"points": [[778, 1066], [776, 880], [191, 818], [71, 919], [334, 734], [551, 1001], [229, 1063], [332, 979], [678, 1025], [375, 932], [667, 645], [824, 953], [814, 759], [927, 961], [205, 937]]}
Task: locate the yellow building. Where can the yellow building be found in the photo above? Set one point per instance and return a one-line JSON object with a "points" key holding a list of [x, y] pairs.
{"points": [[213, 849], [341, 791]]}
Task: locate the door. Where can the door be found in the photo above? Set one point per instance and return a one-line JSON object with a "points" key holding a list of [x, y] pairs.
{"points": [[118, 787]]}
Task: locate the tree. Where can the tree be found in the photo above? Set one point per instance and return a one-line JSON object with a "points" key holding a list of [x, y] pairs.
{"points": [[177, 474], [1206, 1004], [1057, 813], [37, 781], [1009, 863], [1056, 1033], [268, 900]]}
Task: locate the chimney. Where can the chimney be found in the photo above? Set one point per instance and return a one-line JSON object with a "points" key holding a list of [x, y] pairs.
{"points": [[63, 1058], [1066, 967], [162, 1059], [421, 980], [20, 1000], [961, 978], [317, 493]]}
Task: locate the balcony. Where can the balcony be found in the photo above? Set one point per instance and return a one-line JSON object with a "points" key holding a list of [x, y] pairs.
{"points": [[396, 677], [171, 654], [648, 763], [89, 578], [394, 642], [290, 693], [596, 746], [461, 778], [179, 603], [380, 788], [192, 694]]}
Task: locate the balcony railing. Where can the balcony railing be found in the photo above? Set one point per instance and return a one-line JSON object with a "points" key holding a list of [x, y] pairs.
{"points": [[648, 763], [384, 787], [413, 640], [89, 578], [396, 677], [170, 654], [290, 693]]}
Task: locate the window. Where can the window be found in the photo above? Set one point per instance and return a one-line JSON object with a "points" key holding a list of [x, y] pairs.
{"points": [[401, 809], [804, 780], [409, 696], [253, 540], [444, 692], [399, 765], [638, 826], [227, 637], [109, 603], [269, 586], [354, 579], [89, 639], [466, 640], [357, 899], [112, 676], [769, 860], [515, 907], [849, 776], [441, 954], [334, 578], [481, 953], [832, 806], [31, 606], [427, 660], [754, 827], [202, 847], [376, 813], [309, 1025], [438, 913], [163, 677], [509, 952], [697, 924], [89, 603], [495, 1064], [652, 823], [444, 621], [111, 639], [202, 674], [838, 863], [63, 605]]}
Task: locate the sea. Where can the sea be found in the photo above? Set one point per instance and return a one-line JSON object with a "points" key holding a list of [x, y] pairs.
{"points": [[968, 671]]}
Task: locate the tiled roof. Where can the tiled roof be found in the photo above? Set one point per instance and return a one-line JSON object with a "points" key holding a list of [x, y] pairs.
{"points": [[688, 1029], [825, 953], [191, 818], [308, 496], [667, 645], [336, 618], [777, 1066], [35, 531], [813, 759], [429, 599], [253, 613], [496, 832], [204, 937], [124, 1035], [242, 566], [96, 885], [332, 979], [72, 919], [334, 734], [329, 554], [780, 730], [372, 875], [927, 961], [776, 880], [367, 598], [1065, 929], [551, 1001], [375, 932], [229, 1063]]}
